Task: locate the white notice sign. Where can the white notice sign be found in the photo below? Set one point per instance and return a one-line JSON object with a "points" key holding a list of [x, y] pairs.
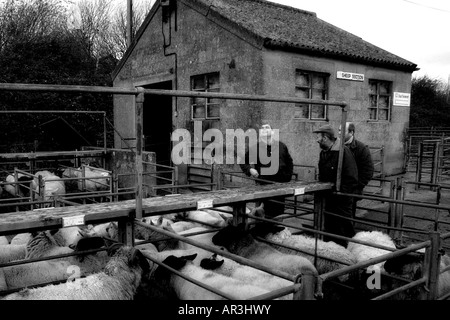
{"points": [[73, 221], [204, 204], [402, 99], [350, 76]]}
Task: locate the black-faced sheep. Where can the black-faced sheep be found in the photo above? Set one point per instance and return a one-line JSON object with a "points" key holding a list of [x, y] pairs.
{"points": [[340, 256], [119, 281], [241, 242], [247, 274], [411, 267], [186, 290]]}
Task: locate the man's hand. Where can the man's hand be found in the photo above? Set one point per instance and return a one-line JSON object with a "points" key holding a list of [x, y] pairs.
{"points": [[254, 173]]}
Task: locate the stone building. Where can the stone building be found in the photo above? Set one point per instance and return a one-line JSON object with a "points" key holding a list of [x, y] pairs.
{"points": [[261, 48]]}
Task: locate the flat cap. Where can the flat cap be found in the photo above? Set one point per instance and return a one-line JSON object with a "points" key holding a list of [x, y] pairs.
{"points": [[326, 129]]}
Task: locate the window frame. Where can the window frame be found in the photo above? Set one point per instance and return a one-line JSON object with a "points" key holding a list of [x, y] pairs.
{"points": [[208, 102], [377, 96], [310, 88]]}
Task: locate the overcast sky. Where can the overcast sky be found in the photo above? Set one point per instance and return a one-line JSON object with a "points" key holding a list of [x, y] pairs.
{"points": [[416, 30]]}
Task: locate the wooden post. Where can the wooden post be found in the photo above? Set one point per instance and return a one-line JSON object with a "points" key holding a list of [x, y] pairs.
{"points": [[139, 142]]}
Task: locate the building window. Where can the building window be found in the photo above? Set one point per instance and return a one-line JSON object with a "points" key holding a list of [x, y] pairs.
{"points": [[311, 85], [380, 100], [205, 108]]}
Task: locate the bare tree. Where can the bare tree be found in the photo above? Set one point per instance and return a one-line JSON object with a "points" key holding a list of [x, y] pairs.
{"points": [[119, 29], [29, 21]]}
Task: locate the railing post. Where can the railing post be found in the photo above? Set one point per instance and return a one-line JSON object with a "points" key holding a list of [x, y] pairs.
{"points": [[239, 213], [341, 149], [126, 231], [398, 208], [432, 265], [308, 280], [319, 205], [419, 165], [139, 141]]}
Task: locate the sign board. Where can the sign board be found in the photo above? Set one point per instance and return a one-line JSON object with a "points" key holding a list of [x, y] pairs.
{"points": [[298, 191], [204, 204], [350, 76], [73, 221], [402, 99]]}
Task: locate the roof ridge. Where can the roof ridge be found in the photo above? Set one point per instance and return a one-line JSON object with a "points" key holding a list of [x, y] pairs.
{"points": [[275, 4]]}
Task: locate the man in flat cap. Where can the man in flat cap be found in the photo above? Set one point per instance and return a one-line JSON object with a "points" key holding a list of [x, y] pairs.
{"points": [[330, 146]]}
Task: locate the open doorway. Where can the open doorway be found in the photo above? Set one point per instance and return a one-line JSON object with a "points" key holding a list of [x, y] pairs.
{"points": [[157, 118], [157, 129]]}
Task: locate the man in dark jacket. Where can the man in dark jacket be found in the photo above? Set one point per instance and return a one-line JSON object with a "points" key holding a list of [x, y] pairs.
{"points": [[328, 165], [283, 172], [363, 158]]}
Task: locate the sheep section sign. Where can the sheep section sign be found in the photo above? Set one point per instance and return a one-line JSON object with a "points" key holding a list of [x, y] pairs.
{"points": [[350, 76]]}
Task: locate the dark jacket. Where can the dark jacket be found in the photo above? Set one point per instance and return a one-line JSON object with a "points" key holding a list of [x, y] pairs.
{"points": [[364, 162], [285, 169], [328, 165]]}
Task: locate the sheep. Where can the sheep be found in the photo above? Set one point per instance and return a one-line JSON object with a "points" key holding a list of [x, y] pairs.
{"points": [[3, 240], [53, 185], [24, 186], [213, 219], [233, 269], [53, 270], [186, 290], [119, 281], [308, 244], [364, 252], [241, 242], [411, 267], [21, 238], [43, 244], [12, 252]]}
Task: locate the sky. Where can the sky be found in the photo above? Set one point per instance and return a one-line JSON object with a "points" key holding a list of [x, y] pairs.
{"points": [[416, 30]]}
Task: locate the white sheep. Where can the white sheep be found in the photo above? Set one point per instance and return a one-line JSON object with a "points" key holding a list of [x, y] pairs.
{"points": [[364, 252], [3, 240], [53, 185], [35, 273], [21, 238], [211, 217], [308, 246], [186, 290], [11, 188], [240, 242], [247, 274], [119, 281], [10, 252]]}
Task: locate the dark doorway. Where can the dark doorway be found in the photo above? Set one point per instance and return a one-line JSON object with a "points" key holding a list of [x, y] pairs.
{"points": [[157, 129]]}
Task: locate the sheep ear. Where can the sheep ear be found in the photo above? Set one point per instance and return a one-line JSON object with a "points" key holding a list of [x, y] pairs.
{"points": [[160, 221], [175, 262], [151, 222], [190, 257]]}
